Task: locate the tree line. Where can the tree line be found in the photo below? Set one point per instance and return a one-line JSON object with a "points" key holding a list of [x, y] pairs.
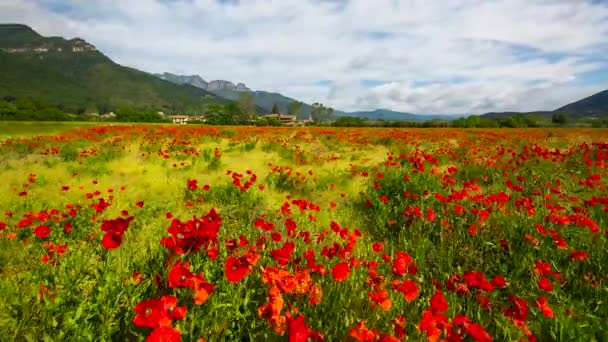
{"points": [[243, 112]]}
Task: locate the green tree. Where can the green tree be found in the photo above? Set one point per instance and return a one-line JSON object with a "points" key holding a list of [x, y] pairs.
{"points": [[236, 114], [320, 113], [217, 114], [127, 114], [560, 118], [275, 109], [294, 107], [246, 103], [8, 111]]}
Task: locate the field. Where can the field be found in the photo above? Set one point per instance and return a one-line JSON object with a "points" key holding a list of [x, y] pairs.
{"points": [[127, 233]]}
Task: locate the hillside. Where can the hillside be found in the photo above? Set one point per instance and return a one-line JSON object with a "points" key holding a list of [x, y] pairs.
{"points": [[267, 100], [593, 106], [74, 76]]}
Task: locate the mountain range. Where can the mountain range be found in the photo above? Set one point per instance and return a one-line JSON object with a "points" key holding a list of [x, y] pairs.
{"points": [[74, 76], [267, 100], [230, 91]]}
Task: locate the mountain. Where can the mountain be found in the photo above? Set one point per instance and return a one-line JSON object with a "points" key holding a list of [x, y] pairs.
{"points": [[197, 81], [76, 77], [266, 100], [228, 90], [593, 106], [390, 115], [590, 107]]}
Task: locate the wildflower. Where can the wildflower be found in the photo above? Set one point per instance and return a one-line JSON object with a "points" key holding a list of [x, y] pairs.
{"points": [[235, 269], [543, 305], [164, 334], [400, 263], [155, 313], [42, 232], [340, 271], [545, 285]]}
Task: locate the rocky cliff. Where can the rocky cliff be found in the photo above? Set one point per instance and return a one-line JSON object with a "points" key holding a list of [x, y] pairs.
{"points": [[199, 82]]}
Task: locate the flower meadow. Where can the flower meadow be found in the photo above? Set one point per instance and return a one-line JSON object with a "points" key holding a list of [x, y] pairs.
{"points": [[175, 233]]}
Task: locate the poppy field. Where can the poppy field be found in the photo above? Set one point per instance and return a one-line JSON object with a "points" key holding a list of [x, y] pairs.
{"points": [[198, 233]]}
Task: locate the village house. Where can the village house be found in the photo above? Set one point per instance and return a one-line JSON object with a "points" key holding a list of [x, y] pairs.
{"points": [[289, 120], [180, 119], [109, 115]]}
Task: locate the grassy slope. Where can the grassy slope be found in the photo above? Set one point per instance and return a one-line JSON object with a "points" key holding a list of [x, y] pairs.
{"points": [[77, 80]]}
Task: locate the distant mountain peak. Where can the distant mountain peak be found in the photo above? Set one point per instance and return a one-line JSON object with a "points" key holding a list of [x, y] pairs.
{"points": [[199, 82]]}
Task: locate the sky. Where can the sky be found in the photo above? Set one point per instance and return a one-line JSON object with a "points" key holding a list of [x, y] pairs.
{"points": [[417, 56]]}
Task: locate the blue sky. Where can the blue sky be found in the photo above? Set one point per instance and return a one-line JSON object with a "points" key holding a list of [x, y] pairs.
{"points": [[457, 56]]}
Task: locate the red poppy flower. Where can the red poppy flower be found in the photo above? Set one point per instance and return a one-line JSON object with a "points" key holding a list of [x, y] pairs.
{"points": [[432, 325], [378, 247], [283, 254], [111, 240], [542, 268], [42, 232], [140, 204], [545, 285], [235, 269], [438, 303], [408, 288], [155, 313], [381, 299], [478, 333], [164, 334], [202, 289], [361, 333], [483, 301], [400, 263], [518, 309], [340, 271], [578, 255], [430, 214], [499, 281], [179, 275], [399, 323], [543, 305], [299, 332]]}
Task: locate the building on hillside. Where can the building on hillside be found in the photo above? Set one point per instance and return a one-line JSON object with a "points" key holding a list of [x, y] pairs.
{"points": [[184, 119], [283, 119], [109, 115], [309, 120]]}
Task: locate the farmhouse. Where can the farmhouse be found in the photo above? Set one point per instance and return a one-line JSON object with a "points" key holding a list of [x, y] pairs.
{"points": [[180, 119], [283, 119]]}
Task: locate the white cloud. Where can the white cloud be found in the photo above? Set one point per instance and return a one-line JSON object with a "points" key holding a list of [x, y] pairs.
{"points": [[505, 54]]}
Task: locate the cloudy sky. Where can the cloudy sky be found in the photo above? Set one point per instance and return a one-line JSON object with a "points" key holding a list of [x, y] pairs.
{"points": [[420, 56]]}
